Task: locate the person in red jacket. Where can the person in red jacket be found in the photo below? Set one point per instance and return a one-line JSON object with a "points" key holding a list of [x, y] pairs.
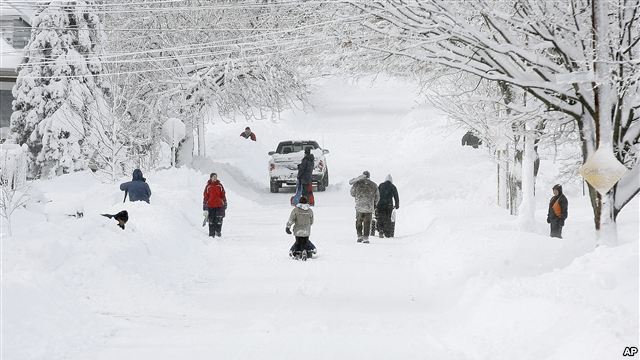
{"points": [[215, 203]]}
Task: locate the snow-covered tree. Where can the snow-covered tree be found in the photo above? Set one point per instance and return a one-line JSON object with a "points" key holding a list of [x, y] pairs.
{"points": [[58, 83], [14, 187], [196, 58], [578, 57]]}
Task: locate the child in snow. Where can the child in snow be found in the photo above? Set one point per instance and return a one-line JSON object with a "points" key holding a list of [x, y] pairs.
{"points": [[301, 218], [557, 214], [214, 204]]}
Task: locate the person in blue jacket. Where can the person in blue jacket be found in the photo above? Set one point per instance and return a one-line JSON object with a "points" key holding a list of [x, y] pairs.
{"points": [[137, 188]]}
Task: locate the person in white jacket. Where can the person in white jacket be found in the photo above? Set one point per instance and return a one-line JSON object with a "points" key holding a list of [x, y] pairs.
{"points": [[301, 218]]}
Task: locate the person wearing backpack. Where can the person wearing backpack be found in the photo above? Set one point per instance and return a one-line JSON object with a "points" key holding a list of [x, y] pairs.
{"points": [[558, 211]]}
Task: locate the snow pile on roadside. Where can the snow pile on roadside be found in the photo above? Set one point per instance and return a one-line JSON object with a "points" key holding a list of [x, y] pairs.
{"points": [[63, 277]]}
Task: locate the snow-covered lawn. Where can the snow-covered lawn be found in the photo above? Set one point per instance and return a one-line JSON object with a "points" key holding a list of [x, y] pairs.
{"points": [[459, 281]]}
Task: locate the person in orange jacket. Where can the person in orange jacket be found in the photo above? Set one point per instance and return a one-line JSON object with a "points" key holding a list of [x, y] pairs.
{"points": [[215, 203], [558, 211]]}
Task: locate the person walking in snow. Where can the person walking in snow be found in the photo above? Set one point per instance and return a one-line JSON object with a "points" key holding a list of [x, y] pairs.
{"points": [[301, 218], [366, 195], [215, 204], [384, 209], [471, 139], [137, 188], [248, 134], [558, 211], [305, 175]]}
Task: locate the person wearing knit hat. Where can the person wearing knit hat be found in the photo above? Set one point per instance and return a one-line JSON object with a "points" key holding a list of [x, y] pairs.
{"points": [[366, 195], [558, 211], [389, 200]]}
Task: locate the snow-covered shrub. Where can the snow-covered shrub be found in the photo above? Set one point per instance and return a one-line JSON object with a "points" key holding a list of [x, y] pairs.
{"points": [[14, 188]]}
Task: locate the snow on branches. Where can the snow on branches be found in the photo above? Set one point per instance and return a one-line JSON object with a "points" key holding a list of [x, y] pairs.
{"points": [[60, 70], [577, 57]]}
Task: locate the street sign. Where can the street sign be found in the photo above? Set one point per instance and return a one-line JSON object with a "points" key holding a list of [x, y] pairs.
{"points": [[602, 170]]}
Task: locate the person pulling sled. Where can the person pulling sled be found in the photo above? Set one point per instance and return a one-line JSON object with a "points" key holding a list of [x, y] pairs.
{"points": [[389, 201], [301, 218]]}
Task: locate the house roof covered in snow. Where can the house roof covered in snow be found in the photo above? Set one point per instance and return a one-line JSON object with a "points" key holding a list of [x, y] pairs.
{"points": [[25, 10]]}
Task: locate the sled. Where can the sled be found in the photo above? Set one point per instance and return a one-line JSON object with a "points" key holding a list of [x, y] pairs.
{"points": [[393, 223], [310, 251], [374, 225]]}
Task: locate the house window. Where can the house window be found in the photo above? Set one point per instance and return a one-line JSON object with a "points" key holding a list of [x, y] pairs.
{"points": [[6, 98]]}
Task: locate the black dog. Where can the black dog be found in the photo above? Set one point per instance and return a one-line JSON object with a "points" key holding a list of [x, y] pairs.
{"points": [[122, 217]]}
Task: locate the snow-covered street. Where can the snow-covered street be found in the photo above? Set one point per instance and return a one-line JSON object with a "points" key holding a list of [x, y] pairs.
{"points": [[459, 281]]}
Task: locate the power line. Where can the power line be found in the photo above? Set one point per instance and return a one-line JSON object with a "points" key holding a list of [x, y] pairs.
{"points": [[220, 62], [142, 29], [256, 47], [242, 6], [197, 46]]}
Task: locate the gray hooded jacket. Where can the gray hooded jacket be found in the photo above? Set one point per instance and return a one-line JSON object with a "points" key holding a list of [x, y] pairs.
{"points": [[302, 217], [367, 195]]}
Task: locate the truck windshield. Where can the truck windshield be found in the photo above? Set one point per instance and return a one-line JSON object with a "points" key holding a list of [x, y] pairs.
{"points": [[291, 147]]}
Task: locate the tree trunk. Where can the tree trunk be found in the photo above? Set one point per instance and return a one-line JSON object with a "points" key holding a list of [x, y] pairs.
{"points": [[604, 220], [526, 213], [606, 227], [201, 144], [515, 181], [9, 231], [184, 153]]}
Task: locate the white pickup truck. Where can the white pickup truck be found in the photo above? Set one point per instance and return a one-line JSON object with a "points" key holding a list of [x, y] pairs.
{"points": [[283, 166]]}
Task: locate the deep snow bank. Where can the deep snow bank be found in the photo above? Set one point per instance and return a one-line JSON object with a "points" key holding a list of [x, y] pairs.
{"points": [[460, 281]]}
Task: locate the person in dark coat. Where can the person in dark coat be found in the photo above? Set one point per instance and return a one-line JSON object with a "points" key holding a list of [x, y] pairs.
{"points": [[137, 189], [470, 139], [558, 210], [388, 201], [248, 134], [305, 175], [215, 203]]}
